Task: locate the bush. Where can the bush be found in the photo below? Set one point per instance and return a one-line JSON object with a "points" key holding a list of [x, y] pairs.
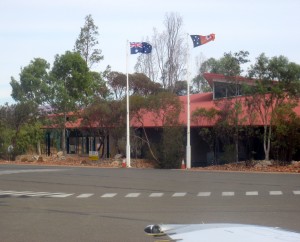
{"points": [[171, 148]]}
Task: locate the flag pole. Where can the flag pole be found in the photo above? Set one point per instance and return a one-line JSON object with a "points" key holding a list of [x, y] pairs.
{"points": [[127, 110], [188, 135]]}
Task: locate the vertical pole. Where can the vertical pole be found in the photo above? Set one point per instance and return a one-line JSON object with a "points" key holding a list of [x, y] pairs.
{"points": [[127, 110], [188, 135]]}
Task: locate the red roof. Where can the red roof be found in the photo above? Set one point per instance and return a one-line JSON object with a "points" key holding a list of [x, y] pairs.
{"points": [[205, 100], [212, 77], [200, 100]]}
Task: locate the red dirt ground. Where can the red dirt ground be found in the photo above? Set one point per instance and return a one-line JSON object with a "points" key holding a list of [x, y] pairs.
{"points": [[75, 160]]}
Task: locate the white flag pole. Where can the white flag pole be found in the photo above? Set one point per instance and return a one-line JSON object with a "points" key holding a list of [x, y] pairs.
{"points": [[127, 110], [188, 135]]}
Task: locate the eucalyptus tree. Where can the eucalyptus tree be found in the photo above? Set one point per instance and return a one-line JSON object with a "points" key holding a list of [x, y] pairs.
{"points": [[139, 84], [230, 65], [14, 119], [32, 85], [30, 93], [71, 86], [117, 83], [106, 117], [163, 110], [142, 85], [199, 82], [87, 42], [166, 63], [277, 84]]}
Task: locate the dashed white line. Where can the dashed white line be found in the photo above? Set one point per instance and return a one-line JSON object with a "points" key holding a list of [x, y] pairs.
{"points": [[133, 195], [204, 194], [60, 195], [35, 194], [252, 193], [179, 194], [156, 194], [227, 194], [14, 193], [275, 193], [109, 195], [85, 195]]}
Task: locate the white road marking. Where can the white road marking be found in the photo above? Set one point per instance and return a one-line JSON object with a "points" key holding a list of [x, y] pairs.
{"points": [[179, 194], [60, 195], [27, 193], [39, 194], [133, 195], [109, 195], [156, 194], [129, 195], [252, 193], [7, 172], [227, 194], [275, 193], [85, 195], [15, 193], [204, 194], [35, 194]]}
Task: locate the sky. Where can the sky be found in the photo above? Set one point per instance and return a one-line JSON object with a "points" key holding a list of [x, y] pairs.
{"points": [[42, 29]]}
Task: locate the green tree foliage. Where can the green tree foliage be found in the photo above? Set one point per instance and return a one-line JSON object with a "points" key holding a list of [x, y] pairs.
{"points": [[6, 133], [99, 87], [165, 108], [139, 84], [87, 46], [87, 43], [19, 126], [180, 88], [139, 107], [71, 85], [199, 82], [286, 139], [70, 82], [117, 84], [171, 149], [203, 116], [33, 82], [107, 118], [277, 83], [229, 65], [30, 93]]}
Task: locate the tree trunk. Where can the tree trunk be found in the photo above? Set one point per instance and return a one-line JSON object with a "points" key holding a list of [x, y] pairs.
{"points": [[38, 147], [63, 141], [267, 141]]}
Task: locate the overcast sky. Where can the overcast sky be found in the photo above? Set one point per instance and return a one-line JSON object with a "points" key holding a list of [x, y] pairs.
{"points": [[38, 28]]}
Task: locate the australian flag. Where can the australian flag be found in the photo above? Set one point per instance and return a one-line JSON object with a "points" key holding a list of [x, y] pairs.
{"points": [[140, 47], [201, 40]]}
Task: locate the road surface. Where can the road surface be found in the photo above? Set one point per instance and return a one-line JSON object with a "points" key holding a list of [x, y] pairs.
{"points": [[39, 203]]}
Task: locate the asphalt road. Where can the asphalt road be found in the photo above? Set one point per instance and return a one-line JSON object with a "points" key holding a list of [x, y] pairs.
{"points": [[91, 204]]}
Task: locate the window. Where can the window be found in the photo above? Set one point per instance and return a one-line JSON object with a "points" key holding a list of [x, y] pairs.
{"points": [[223, 89]]}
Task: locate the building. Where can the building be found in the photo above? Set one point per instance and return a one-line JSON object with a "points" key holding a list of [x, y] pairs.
{"points": [[228, 92]]}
